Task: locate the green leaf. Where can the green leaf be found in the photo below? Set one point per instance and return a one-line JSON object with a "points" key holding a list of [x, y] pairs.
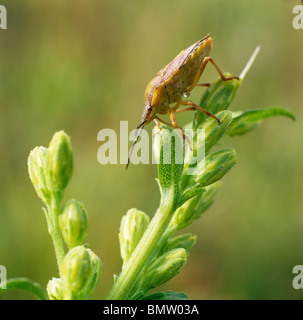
{"points": [[244, 122], [137, 296], [171, 164], [25, 284], [167, 295]]}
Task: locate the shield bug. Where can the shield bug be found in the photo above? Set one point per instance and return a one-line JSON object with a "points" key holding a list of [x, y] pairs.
{"points": [[173, 83]]}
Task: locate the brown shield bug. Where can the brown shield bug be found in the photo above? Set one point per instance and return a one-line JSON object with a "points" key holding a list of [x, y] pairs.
{"points": [[173, 83]]}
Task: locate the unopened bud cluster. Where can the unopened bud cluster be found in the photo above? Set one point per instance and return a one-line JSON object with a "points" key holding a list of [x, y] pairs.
{"points": [[73, 222], [81, 271], [132, 228], [50, 170], [165, 268]]}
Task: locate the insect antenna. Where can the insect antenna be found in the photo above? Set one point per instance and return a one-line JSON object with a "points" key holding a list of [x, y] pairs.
{"points": [[137, 135]]}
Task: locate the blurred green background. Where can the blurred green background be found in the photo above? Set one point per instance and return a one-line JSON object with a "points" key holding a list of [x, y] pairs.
{"points": [[83, 66]]}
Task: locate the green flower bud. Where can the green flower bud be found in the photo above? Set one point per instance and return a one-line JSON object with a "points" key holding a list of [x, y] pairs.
{"points": [[214, 131], [194, 207], [75, 272], [73, 222], [207, 136], [60, 164], [132, 228], [37, 172], [218, 96], [207, 198], [54, 289], [165, 268], [185, 214], [185, 241], [215, 167], [94, 276]]}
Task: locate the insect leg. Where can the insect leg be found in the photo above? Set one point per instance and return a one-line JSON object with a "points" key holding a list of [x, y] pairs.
{"points": [[201, 69], [158, 123], [174, 124], [158, 120], [203, 84], [186, 109], [194, 106]]}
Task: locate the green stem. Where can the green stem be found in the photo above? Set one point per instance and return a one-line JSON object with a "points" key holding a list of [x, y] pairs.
{"points": [[54, 230], [25, 284], [139, 284], [167, 234], [145, 251], [137, 290]]}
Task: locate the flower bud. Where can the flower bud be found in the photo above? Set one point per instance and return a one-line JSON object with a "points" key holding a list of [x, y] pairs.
{"points": [[215, 167], [132, 228], [54, 289], [194, 207], [185, 214], [207, 136], [75, 272], [185, 241], [207, 198], [214, 131], [73, 222], [95, 274], [218, 96], [60, 164], [37, 172], [165, 268]]}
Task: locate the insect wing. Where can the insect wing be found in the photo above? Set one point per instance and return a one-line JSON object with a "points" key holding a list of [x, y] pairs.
{"points": [[181, 59]]}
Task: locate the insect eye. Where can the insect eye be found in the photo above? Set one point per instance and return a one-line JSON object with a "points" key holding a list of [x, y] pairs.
{"points": [[149, 108]]}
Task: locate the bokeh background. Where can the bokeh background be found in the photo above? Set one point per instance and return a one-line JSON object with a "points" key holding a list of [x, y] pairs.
{"points": [[83, 66]]}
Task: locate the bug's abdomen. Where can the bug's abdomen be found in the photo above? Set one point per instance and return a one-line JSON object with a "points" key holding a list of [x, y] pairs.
{"points": [[191, 66], [175, 87]]}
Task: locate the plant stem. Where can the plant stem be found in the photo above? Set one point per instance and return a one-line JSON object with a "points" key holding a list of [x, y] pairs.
{"points": [[53, 227], [145, 250]]}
